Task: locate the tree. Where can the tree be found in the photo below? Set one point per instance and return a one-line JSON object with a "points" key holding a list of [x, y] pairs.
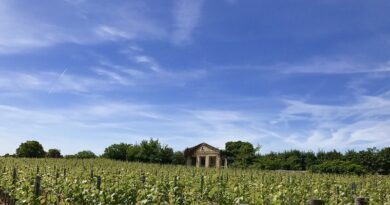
{"points": [[133, 153], [9, 155], [116, 151], [327, 156], [150, 151], [240, 154], [30, 149], [166, 155], [54, 153], [339, 167], [178, 158], [384, 161], [86, 154]]}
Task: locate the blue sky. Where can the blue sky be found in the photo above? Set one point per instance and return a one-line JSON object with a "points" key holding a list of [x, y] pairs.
{"points": [[305, 74]]}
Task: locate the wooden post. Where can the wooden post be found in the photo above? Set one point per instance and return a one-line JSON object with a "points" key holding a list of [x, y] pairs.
{"points": [[316, 202], [91, 173], [14, 176], [143, 178], [175, 181], [201, 184], [353, 188], [361, 201], [37, 186], [98, 182]]}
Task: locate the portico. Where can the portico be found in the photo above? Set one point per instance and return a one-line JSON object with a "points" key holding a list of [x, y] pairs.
{"points": [[204, 155]]}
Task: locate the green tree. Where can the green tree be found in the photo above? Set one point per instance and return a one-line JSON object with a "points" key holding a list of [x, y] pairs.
{"points": [[116, 151], [240, 154], [133, 153], [166, 155], [384, 161], [86, 154], [150, 151], [339, 167], [178, 158], [328, 156], [54, 153], [31, 149]]}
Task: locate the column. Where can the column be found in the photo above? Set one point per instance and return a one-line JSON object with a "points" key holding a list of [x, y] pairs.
{"points": [[207, 163], [189, 161], [197, 161], [226, 163], [218, 162]]}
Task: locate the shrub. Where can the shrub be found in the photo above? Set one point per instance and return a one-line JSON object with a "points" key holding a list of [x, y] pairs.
{"points": [[338, 167]]}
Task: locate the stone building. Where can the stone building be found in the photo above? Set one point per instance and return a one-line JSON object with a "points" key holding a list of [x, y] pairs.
{"points": [[204, 155]]}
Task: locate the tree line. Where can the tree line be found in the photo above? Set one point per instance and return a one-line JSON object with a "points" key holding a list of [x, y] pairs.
{"points": [[372, 160], [239, 154]]}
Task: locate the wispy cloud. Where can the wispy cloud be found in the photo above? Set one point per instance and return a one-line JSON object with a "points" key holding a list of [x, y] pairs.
{"points": [[359, 125], [334, 66], [317, 65], [187, 14], [41, 81], [23, 30], [112, 76], [123, 121], [58, 79]]}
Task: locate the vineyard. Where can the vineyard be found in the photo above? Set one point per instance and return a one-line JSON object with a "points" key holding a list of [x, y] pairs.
{"points": [[100, 181]]}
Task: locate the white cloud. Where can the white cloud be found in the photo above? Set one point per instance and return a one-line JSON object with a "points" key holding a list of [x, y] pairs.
{"points": [[107, 32], [148, 61], [187, 14], [319, 65], [23, 30], [333, 66], [115, 77], [358, 125], [109, 122], [14, 81]]}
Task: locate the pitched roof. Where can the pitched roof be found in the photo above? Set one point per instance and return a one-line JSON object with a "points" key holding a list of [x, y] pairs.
{"points": [[189, 151]]}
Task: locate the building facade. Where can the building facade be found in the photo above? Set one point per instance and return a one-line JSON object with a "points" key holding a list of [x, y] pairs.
{"points": [[204, 155]]}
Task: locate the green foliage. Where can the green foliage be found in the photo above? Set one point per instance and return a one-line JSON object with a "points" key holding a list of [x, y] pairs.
{"points": [[384, 161], [166, 155], [133, 153], [54, 153], [30, 149], [371, 160], [288, 160], [116, 151], [323, 156], [339, 167], [150, 151], [178, 158], [86, 154], [147, 151], [240, 154]]}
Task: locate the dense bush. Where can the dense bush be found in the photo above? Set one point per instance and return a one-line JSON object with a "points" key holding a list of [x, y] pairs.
{"points": [[338, 167], [54, 153], [86, 154], [147, 151]]}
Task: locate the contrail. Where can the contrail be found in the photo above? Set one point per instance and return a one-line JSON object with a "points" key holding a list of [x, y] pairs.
{"points": [[58, 79]]}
